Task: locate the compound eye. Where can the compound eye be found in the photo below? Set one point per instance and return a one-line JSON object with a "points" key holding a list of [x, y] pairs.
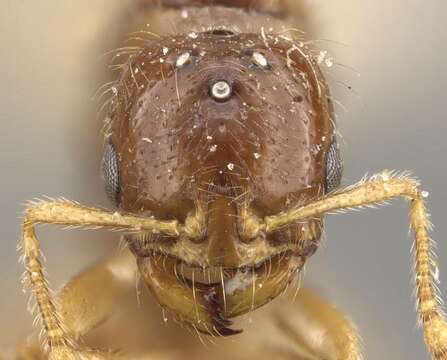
{"points": [[110, 173], [334, 167]]}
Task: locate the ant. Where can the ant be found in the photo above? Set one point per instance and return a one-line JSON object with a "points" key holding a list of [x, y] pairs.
{"points": [[221, 158]]}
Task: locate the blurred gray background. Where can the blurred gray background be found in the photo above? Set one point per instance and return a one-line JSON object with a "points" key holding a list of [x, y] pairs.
{"points": [[51, 64]]}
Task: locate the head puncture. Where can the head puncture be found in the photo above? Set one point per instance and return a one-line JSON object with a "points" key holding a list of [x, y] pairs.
{"points": [[221, 90]]}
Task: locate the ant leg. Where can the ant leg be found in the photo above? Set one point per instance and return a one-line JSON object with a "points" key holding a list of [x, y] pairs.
{"points": [[317, 330], [380, 188], [58, 338]]}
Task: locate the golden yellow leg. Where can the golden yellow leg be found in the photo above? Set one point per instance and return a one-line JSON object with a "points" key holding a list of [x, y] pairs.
{"points": [[59, 327], [379, 188]]}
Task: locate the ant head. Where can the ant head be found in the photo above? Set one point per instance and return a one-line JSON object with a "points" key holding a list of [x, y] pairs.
{"points": [[218, 130]]}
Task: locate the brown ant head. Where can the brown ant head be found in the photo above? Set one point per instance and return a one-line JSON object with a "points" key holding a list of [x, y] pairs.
{"points": [[218, 130]]}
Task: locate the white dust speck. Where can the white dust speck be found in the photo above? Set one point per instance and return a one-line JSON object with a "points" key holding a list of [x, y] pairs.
{"points": [[165, 50], [182, 59], [257, 155], [209, 137], [324, 58], [213, 148], [146, 139], [316, 149], [259, 59], [425, 194], [230, 166], [239, 282], [321, 56]]}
